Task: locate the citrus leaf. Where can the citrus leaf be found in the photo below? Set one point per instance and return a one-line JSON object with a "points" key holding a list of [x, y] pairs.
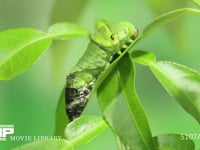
{"points": [[19, 49], [182, 83], [84, 128], [166, 18], [143, 57], [66, 30], [122, 108]]}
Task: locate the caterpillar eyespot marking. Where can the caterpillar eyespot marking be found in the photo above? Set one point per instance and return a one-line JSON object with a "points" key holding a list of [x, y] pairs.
{"points": [[107, 44], [112, 37]]}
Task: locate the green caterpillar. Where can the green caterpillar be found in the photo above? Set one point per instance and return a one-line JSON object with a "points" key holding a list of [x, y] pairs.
{"points": [[109, 41]]}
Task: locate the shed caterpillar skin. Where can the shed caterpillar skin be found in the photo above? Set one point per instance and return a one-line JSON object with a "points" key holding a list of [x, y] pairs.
{"points": [[109, 41]]}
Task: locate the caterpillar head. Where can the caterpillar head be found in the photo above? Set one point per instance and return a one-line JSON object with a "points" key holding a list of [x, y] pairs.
{"points": [[113, 37]]}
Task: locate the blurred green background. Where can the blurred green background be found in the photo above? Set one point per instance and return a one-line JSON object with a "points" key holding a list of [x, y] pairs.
{"points": [[29, 100]]}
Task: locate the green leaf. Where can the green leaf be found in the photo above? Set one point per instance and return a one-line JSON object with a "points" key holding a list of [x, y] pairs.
{"points": [[84, 128], [19, 49], [166, 18], [122, 108], [61, 117], [66, 30], [174, 142], [182, 83], [47, 145], [142, 57]]}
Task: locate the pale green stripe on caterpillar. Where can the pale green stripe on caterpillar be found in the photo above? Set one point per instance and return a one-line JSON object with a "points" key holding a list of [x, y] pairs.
{"points": [[109, 41]]}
